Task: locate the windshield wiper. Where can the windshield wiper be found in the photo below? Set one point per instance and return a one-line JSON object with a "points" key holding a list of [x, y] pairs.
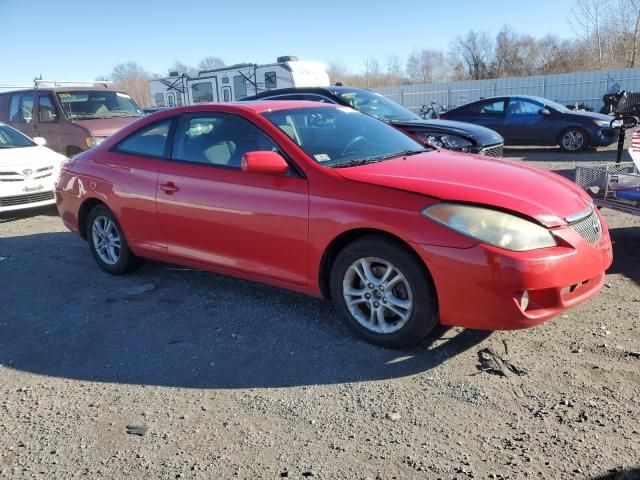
{"points": [[379, 158]]}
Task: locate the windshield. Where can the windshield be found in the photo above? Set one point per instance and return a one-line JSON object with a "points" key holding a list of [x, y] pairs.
{"points": [[376, 105], [90, 104], [9, 138], [555, 106], [341, 136]]}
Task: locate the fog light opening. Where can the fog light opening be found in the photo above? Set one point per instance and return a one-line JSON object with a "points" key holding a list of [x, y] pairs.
{"points": [[523, 300]]}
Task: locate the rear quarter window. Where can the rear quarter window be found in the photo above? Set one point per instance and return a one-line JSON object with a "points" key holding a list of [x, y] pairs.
{"points": [[149, 141]]}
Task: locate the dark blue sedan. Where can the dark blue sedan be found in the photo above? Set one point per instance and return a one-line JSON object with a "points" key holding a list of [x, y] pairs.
{"points": [[527, 120]]}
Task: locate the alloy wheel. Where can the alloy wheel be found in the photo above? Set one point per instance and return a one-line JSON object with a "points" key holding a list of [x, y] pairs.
{"points": [[573, 140], [106, 240], [377, 295]]}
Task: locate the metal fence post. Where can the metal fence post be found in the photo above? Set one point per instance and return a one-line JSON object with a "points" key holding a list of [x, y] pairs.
{"points": [[544, 86], [448, 97], [402, 97]]}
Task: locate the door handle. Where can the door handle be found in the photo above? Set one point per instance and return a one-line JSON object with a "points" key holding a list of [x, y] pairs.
{"points": [[168, 188]]}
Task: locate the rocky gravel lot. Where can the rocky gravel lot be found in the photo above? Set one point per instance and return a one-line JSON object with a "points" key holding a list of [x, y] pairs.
{"points": [[174, 373]]}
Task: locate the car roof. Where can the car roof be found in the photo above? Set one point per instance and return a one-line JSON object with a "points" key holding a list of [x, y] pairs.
{"points": [[260, 107], [332, 90], [256, 106], [60, 89], [500, 97]]}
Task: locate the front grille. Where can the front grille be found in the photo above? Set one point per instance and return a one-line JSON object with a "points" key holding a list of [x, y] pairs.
{"points": [[23, 199], [45, 175], [43, 172], [493, 151], [588, 228]]}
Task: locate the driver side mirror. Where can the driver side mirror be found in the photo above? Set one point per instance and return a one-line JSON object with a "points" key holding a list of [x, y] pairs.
{"points": [[265, 162], [40, 141], [544, 111]]}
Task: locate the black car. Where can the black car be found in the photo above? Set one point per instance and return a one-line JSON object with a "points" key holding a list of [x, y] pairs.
{"points": [[459, 136], [527, 120]]}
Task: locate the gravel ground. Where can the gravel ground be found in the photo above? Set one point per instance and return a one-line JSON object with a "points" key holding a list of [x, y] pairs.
{"points": [[175, 373]]}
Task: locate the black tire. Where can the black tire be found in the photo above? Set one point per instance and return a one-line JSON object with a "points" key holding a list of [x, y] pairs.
{"points": [[576, 131], [126, 261], [423, 316]]}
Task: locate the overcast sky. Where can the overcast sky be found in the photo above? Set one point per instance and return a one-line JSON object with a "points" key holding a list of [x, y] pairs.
{"points": [[78, 40]]}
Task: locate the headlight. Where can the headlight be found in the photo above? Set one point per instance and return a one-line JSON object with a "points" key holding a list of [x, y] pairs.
{"points": [[603, 123], [454, 142], [492, 226], [93, 141], [451, 142]]}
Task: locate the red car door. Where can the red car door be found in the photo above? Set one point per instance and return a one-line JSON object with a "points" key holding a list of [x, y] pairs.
{"points": [[130, 174], [214, 213]]}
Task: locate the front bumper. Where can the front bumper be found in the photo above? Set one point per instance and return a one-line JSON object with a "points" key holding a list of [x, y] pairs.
{"points": [[602, 137], [496, 150], [480, 287]]}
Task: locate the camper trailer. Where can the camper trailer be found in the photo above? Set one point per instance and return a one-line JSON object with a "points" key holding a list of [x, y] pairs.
{"points": [[235, 82]]}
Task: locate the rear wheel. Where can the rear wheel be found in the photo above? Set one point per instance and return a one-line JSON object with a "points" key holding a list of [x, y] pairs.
{"points": [[573, 140], [107, 242], [383, 292]]}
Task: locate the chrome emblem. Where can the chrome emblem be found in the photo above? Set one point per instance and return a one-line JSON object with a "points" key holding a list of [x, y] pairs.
{"points": [[595, 225], [27, 172]]}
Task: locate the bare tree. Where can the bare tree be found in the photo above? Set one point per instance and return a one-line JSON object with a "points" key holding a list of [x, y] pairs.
{"points": [[587, 21], [395, 71], [425, 66], [209, 63], [132, 79], [372, 72], [182, 69], [623, 16], [474, 50], [337, 71], [508, 56]]}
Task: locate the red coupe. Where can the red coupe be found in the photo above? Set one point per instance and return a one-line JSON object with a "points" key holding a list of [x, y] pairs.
{"points": [[332, 202]]}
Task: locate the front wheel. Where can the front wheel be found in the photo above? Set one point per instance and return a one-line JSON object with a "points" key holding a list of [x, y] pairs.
{"points": [[573, 140], [107, 243], [383, 292]]}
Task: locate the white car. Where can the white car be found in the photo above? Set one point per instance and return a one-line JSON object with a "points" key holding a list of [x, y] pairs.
{"points": [[28, 171]]}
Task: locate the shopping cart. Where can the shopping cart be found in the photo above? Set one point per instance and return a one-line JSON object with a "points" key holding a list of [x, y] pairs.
{"points": [[615, 185]]}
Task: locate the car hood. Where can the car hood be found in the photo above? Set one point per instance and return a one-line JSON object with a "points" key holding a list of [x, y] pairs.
{"points": [[103, 127], [591, 115], [35, 156], [480, 134], [446, 175]]}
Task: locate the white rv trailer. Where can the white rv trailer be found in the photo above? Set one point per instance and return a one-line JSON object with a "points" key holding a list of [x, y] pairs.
{"points": [[235, 82]]}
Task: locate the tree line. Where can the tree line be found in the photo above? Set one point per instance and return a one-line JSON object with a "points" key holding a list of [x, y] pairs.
{"points": [[605, 35]]}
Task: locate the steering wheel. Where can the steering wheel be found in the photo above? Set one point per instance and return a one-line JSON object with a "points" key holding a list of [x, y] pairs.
{"points": [[352, 143]]}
